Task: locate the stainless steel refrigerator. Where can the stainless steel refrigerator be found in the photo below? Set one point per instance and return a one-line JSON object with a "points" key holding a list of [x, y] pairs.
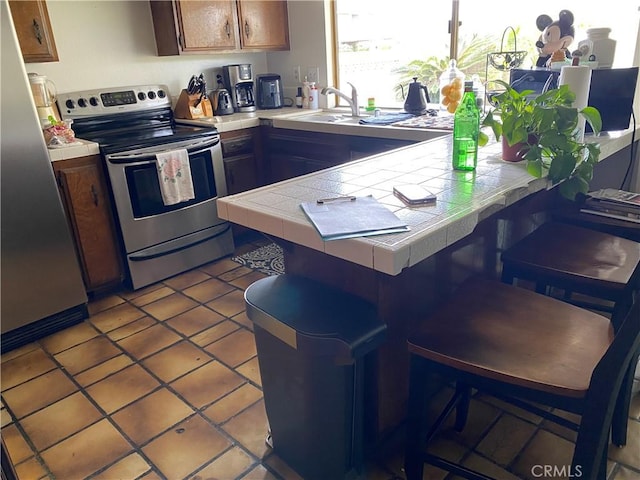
{"points": [[40, 281]]}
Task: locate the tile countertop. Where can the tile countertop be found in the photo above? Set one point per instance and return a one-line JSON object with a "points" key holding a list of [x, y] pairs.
{"points": [[297, 119], [287, 117], [464, 199], [237, 121], [83, 148], [226, 123]]}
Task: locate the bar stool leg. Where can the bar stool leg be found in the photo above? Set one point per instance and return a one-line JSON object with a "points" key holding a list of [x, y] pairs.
{"points": [[416, 442], [619, 424], [462, 409]]}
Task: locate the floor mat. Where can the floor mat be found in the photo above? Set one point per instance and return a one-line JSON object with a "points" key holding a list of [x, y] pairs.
{"points": [[268, 259]]}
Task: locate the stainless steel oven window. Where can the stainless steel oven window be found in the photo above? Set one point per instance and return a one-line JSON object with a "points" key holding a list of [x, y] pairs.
{"points": [[163, 223], [144, 187]]}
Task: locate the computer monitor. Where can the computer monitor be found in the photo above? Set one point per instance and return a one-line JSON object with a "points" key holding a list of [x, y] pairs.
{"points": [[612, 91], [534, 79]]}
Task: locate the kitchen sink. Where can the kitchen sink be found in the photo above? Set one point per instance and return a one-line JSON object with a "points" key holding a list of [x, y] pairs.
{"points": [[341, 122], [324, 117]]}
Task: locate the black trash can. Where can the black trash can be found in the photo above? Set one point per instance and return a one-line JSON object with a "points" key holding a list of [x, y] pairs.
{"points": [[311, 340]]}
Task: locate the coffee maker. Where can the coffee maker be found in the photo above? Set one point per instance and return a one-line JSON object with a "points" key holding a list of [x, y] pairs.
{"points": [[239, 81], [44, 95]]}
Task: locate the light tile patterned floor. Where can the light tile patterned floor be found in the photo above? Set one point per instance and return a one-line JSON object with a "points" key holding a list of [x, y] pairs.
{"points": [[163, 383]]}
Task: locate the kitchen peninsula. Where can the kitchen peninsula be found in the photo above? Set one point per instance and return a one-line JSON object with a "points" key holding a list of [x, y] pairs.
{"points": [[477, 214]]}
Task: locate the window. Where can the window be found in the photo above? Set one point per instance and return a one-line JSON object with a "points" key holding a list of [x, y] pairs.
{"points": [[382, 45]]}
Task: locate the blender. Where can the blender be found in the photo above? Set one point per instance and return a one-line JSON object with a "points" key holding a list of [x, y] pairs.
{"points": [[44, 95]]}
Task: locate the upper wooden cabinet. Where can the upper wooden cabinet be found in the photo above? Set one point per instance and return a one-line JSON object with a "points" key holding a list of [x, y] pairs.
{"points": [[204, 26], [31, 19], [263, 25]]}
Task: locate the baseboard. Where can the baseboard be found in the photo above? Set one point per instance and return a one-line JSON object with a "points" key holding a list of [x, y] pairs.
{"points": [[42, 328]]}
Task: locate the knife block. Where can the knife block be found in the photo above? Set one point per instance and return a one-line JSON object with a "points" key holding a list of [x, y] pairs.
{"points": [[188, 107]]}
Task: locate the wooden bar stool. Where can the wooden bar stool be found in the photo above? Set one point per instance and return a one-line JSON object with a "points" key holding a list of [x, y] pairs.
{"points": [[583, 261], [525, 348], [577, 259]]}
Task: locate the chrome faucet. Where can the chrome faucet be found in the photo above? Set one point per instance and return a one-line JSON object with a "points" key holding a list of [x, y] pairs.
{"points": [[353, 101]]}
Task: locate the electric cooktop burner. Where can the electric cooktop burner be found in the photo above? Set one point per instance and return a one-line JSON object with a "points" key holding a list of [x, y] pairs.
{"points": [[127, 117]]}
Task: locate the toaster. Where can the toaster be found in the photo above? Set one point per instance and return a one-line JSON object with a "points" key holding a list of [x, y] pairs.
{"points": [[269, 91]]}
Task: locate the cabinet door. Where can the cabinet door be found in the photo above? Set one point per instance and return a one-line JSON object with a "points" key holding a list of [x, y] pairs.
{"points": [[361, 147], [208, 25], [240, 172], [284, 166], [88, 206], [264, 24], [31, 19]]}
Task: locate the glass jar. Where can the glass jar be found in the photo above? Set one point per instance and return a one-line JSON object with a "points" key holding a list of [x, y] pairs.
{"points": [[451, 88]]}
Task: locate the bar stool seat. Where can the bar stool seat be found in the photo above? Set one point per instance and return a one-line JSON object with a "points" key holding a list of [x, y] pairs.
{"points": [[525, 347], [578, 260]]}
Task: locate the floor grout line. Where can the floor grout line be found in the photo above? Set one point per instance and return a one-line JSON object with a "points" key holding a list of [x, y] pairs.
{"points": [[385, 467]]}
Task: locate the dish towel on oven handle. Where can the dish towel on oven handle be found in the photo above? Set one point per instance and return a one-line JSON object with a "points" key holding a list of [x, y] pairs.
{"points": [[174, 175]]}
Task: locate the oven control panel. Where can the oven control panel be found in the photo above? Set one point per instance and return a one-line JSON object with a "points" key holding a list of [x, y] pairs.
{"points": [[91, 103]]}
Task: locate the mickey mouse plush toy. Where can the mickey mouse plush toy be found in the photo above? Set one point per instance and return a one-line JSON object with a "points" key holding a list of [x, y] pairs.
{"points": [[555, 38]]}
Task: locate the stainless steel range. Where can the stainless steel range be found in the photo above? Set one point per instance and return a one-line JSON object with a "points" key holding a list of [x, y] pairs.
{"points": [[135, 129]]}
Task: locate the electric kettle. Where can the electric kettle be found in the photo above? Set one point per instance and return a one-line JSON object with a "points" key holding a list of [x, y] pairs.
{"points": [[417, 98]]}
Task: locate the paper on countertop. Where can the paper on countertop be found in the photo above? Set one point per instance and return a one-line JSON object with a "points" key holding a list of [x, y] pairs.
{"points": [[345, 218]]}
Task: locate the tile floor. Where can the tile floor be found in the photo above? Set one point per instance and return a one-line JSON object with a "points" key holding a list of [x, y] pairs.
{"points": [[163, 383]]}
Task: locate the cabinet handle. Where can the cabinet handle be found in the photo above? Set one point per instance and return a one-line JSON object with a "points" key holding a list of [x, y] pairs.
{"points": [[227, 29], [246, 28], [94, 194], [37, 32]]}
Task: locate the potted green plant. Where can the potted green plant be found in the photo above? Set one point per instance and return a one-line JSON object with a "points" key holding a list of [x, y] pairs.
{"points": [[545, 129]]}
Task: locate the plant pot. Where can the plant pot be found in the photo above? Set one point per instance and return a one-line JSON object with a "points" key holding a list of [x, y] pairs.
{"points": [[514, 153]]}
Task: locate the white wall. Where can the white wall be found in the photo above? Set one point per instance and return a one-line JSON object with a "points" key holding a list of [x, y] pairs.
{"points": [[309, 45], [105, 43]]}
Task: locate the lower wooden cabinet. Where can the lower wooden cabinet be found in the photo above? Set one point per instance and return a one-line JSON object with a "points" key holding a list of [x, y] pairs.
{"points": [[242, 155], [291, 153], [241, 173], [241, 152], [86, 200]]}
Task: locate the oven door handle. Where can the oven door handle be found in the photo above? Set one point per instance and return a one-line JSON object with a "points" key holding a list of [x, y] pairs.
{"points": [[149, 156], [180, 244]]}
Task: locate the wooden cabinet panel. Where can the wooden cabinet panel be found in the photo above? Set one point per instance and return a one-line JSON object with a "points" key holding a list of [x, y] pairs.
{"points": [[88, 207], [284, 166], [291, 153], [208, 25], [31, 19], [264, 24], [241, 152], [202, 26], [241, 173]]}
